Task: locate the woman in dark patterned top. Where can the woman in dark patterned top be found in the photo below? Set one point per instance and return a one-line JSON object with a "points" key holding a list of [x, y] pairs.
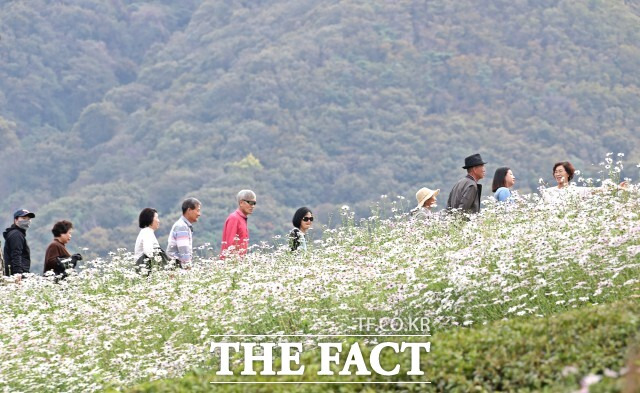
{"points": [[302, 220]]}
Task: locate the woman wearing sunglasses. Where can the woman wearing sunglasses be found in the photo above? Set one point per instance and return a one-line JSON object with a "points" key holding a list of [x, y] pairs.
{"points": [[302, 220]]}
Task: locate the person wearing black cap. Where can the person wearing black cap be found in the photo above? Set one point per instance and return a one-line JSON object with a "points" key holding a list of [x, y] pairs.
{"points": [[466, 193], [16, 249]]}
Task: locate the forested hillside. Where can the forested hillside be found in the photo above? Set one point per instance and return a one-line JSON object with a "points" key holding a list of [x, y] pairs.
{"points": [[109, 107]]}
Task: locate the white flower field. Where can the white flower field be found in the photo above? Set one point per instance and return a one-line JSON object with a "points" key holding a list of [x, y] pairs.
{"points": [[108, 327]]}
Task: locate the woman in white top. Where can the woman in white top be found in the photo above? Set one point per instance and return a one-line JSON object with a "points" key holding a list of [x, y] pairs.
{"points": [[146, 243], [563, 173]]}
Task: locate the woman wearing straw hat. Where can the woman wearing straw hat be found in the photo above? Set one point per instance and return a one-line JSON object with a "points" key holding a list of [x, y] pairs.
{"points": [[426, 199]]}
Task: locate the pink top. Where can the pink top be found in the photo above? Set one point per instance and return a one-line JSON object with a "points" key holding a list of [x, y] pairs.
{"points": [[235, 233]]}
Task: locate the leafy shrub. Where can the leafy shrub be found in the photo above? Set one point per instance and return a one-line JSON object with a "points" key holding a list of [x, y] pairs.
{"points": [[537, 354]]}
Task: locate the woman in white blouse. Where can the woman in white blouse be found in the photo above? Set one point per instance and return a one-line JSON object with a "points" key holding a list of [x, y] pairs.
{"points": [[563, 174], [146, 243]]}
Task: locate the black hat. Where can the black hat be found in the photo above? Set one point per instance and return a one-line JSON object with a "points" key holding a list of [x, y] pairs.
{"points": [[23, 213], [472, 161]]}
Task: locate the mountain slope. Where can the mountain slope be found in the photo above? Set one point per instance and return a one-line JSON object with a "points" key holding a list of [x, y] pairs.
{"points": [[338, 102]]}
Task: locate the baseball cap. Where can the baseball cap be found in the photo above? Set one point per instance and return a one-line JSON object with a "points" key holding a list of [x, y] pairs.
{"points": [[23, 213]]}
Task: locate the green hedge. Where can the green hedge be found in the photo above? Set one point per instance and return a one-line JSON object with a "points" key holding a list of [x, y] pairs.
{"points": [[524, 355]]}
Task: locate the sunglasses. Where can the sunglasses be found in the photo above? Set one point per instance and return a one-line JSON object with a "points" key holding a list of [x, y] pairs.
{"points": [[252, 203], [306, 219]]}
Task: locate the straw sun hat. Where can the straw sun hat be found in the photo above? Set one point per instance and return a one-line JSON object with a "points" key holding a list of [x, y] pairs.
{"points": [[424, 194]]}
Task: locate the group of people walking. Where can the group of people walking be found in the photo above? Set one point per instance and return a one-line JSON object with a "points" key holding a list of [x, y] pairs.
{"points": [[235, 237], [464, 197], [235, 233], [16, 255], [466, 193]]}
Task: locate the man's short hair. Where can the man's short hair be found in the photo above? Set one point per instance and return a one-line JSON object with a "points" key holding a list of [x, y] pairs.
{"points": [[61, 227], [190, 203], [246, 195]]}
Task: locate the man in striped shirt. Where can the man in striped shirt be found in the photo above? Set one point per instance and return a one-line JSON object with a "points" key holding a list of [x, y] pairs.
{"points": [[180, 245]]}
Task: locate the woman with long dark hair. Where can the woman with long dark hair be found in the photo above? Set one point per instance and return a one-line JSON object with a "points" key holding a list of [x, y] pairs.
{"points": [[503, 180]]}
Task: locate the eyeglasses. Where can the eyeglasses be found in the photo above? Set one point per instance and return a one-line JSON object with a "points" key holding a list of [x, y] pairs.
{"points": [[252, 203], [306, 219]]}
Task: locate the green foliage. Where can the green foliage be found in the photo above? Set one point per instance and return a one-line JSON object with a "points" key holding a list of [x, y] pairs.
{"points": [[338, 103], [250, 162], [528, 296], [8, 134], [97, 124], [548, 354]]}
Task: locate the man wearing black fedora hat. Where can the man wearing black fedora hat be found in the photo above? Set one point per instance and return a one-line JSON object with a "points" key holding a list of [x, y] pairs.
{"points": [[465, 195]]}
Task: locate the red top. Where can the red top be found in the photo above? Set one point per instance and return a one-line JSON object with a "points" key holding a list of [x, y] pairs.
{"points": [[235, 233]]}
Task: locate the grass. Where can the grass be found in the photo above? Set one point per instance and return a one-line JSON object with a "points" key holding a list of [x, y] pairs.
{"points": [[527, 355], [513, 296]]}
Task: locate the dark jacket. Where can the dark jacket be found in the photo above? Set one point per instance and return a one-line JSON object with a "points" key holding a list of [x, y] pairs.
{"points": [[1, 259], [17, 256], [465, 195], [294, 239], [54, 251]]}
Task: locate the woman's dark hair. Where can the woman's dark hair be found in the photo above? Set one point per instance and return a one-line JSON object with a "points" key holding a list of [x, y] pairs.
{"points": [[146, 217], [567, 167], [499, 178], [61, 227], [297, 217]]}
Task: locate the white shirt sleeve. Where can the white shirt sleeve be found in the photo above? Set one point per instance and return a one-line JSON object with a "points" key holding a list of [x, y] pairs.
{"points": [[146, 243]]}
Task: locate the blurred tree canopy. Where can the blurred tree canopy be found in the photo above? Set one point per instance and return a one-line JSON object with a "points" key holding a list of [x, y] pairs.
{"points": [[110, 107]]}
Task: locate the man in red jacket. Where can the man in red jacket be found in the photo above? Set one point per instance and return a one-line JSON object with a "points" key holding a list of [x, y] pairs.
{"points": [[235, 234]]}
